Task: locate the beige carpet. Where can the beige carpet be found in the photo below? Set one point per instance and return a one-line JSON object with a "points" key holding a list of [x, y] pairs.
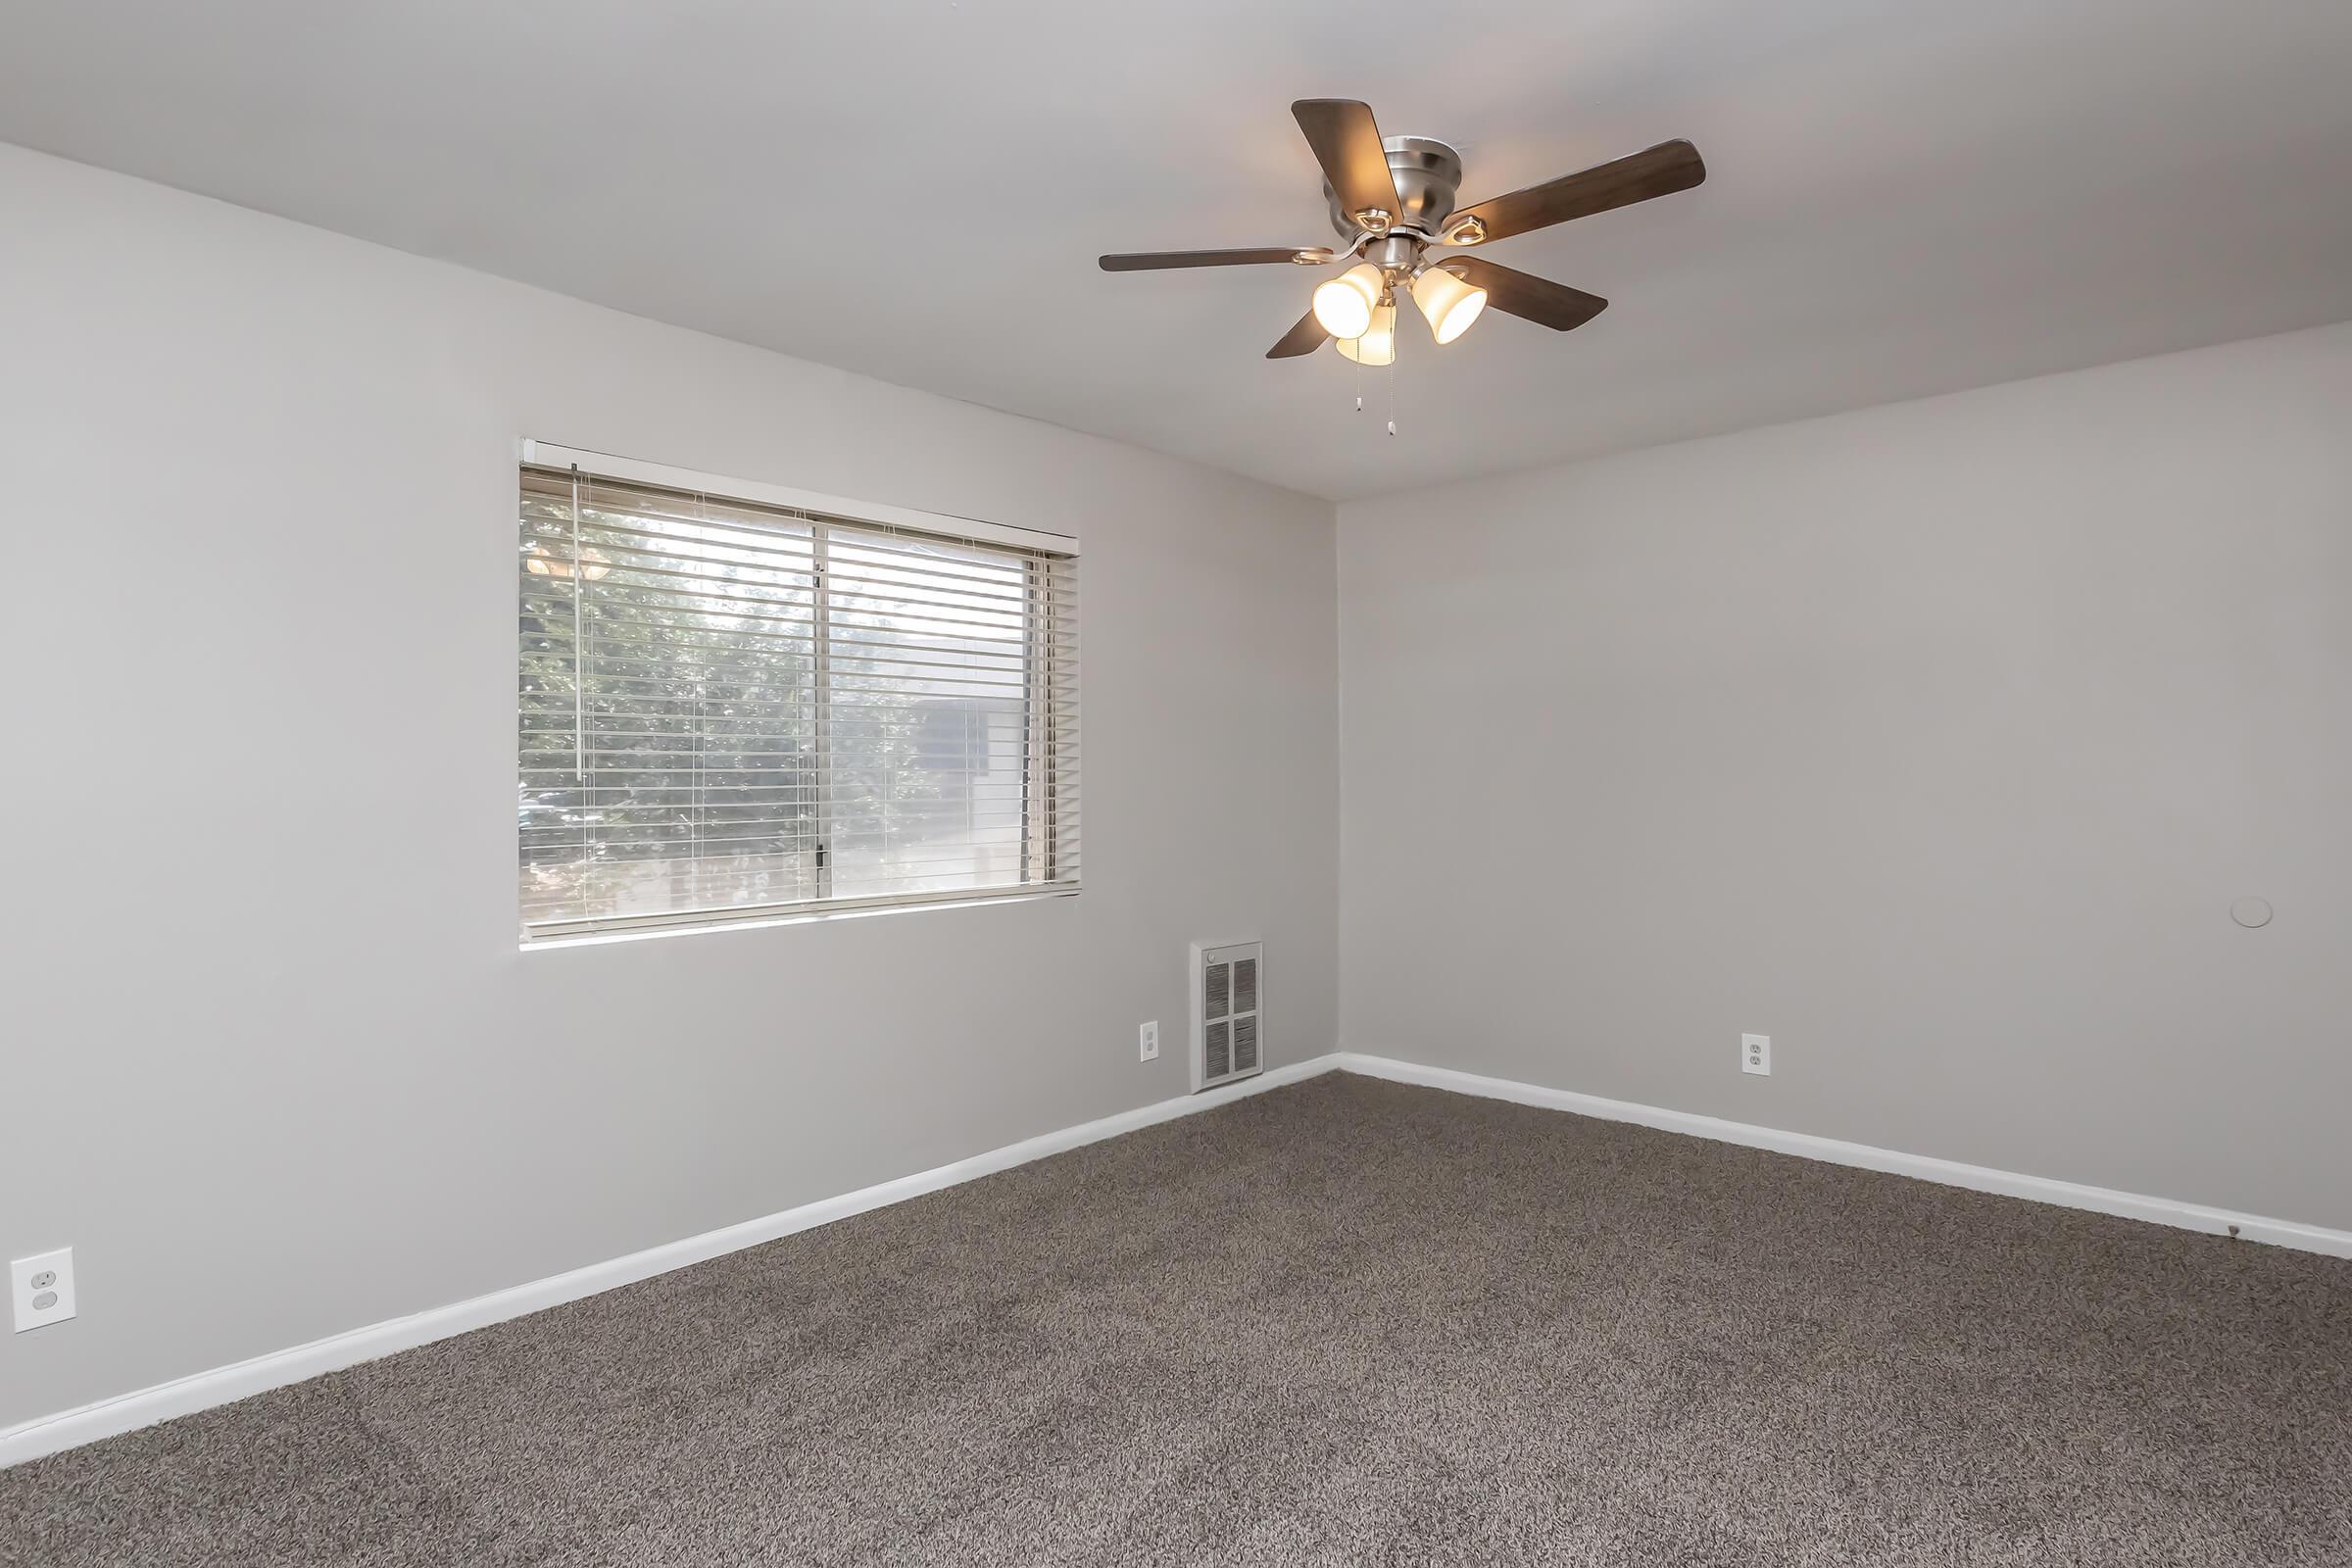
{"points": [[1340, 1323]]}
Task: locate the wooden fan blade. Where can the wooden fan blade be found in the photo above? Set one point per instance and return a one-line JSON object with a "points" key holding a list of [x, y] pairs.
{"points": [[1662, 171], [1538, 298], [1305, 338], [1347, 143], [1154, 260]]}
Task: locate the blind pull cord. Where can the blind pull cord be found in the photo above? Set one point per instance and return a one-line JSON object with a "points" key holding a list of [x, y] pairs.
{"points": [[580, 673]]}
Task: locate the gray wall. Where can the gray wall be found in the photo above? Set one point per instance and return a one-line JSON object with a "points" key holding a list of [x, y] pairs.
{"points": [[274, 1067], [1933, 741]]}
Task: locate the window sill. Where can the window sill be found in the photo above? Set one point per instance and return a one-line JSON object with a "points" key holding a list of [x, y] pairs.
{"points": [[586, 939]]}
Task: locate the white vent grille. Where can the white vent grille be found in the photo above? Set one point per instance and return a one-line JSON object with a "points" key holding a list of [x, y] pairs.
{"points": [[1227, 1017]]}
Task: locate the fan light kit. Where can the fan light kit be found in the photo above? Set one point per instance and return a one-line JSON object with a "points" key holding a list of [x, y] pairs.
{"points": [[1392, 204]]}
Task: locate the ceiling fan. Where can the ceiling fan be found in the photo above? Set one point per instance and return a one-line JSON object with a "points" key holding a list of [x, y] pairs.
{"points": [[1391, 201]]}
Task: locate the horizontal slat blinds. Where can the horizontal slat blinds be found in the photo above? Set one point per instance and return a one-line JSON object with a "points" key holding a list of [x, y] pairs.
{"points": [[730, 710]]}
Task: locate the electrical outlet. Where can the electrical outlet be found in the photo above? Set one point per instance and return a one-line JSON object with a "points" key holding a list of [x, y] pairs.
{"points": [[1755, 1053], [1148, 1042], [43, 1288]]}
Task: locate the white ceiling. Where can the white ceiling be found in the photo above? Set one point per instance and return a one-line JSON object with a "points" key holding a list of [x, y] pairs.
{"points": [[1902, 198]]}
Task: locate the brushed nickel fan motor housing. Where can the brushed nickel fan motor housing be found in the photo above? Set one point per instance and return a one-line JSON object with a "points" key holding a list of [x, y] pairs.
{"points": [[1427, 173]]}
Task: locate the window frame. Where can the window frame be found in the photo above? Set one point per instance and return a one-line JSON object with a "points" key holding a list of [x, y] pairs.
{"points": [[1050, 766]]}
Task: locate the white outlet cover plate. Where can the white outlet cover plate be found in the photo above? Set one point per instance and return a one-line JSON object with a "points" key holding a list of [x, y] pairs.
{"points": [[1148, 1041], [1755, 1053], [23, 1271]]}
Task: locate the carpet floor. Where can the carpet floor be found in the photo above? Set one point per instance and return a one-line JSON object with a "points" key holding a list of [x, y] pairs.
{"points": [[1346, 1322]]}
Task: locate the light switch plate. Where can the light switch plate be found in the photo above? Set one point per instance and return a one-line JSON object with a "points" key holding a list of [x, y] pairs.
{"points": [[43, 1277]]}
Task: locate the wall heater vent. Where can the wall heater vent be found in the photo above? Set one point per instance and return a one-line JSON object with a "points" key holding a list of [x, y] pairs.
{"points": [[1227, 994]]}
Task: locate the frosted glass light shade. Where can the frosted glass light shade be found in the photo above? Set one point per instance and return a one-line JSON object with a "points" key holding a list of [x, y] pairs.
{"points": [[1344, 306], [1450, 304], [1378, 345]]}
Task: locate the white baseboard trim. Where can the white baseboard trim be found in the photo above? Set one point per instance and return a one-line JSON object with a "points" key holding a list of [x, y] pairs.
{"points": [[1836, 1151], [201, 1391]]}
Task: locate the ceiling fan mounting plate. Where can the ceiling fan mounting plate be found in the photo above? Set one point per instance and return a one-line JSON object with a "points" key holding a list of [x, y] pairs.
{"points": [[1427, 172]]}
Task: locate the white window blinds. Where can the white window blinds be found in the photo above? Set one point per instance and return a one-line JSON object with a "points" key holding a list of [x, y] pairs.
{"points": [[733, 709]]}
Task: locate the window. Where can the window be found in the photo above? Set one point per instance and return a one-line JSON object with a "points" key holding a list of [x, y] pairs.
{"points": [[747, 705]]}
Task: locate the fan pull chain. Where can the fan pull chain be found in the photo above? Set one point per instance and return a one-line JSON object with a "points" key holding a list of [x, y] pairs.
{"points": [[1360, 386], [1391, 396]]}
